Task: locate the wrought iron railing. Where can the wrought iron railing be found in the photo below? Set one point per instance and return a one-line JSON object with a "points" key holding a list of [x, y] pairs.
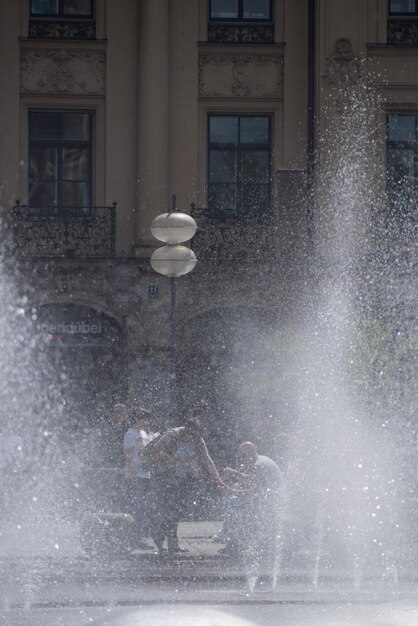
{"points": [[223, 240], [50, 29], [60, 232], [240, 33], [402, 31]]}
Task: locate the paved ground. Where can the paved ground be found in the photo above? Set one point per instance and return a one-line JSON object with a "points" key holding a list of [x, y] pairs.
{"points": [[47, 579], [54, 551], [392, 613]]}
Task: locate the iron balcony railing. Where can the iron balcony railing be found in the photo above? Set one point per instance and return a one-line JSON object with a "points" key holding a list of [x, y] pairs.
{"points": [[225, 236], [62, 232], [402, 31]]}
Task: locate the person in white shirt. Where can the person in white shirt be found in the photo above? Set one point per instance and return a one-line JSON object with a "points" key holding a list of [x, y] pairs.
{"points": [[252, 519], [137, 476]]}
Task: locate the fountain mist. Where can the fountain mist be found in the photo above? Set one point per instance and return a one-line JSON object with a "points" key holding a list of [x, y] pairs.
{"points": [[345, 494]]}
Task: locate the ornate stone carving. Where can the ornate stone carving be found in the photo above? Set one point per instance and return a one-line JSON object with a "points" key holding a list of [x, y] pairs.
{"points": [[342, 73], [62, 71], [403, 31], [343, 68], [227, 33], [240, 75]]}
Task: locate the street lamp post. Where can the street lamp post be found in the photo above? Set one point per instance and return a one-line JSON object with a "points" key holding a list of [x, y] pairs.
{"points": [[173, 260]]}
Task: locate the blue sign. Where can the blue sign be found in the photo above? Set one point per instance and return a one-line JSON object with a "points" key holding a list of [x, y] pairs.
{"points": [[153, 292]]}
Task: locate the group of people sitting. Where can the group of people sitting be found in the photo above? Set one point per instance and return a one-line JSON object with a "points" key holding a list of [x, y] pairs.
{"points": [[161, 470]]}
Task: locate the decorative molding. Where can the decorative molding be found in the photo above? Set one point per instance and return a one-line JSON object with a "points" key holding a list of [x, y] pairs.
{"points": [[402, 31], [240, 76], [343, 68], [227, 33], [61, 71]]}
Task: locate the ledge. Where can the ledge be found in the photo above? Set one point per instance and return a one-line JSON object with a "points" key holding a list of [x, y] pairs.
{"points": [[244, 46], [60, 43], [391, 46]]}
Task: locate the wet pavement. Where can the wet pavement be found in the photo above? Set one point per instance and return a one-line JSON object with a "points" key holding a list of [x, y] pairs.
{"points": [[393, 613], [46, 578]]}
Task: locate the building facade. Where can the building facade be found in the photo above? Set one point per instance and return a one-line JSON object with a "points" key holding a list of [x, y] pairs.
{"points": [[235, 107]]}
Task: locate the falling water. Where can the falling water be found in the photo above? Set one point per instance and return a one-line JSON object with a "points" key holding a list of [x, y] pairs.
{"points": [[346, 452], [348, 459], [33, 486]]}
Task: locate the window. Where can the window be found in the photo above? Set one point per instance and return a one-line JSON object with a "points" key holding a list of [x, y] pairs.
{"points": [[239, 166], [402, 161], [240, 10], [81, 9], [403, 7], [60, 160]]}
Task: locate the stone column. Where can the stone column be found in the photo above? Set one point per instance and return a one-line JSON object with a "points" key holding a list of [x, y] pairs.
{"points": [[153, 119]]}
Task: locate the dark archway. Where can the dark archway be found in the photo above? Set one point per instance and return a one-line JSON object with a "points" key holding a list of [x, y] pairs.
{"points": [[82, 351]]}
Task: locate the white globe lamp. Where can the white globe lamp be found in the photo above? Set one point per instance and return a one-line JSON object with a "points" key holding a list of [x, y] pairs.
{"points": [[173, 260]]}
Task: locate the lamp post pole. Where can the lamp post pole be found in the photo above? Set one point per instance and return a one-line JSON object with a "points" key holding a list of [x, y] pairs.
{"points": [[173, 260], [173, 330]]}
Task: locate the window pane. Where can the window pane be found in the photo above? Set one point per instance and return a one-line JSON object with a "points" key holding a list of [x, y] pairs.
{"points": [[60, 158], [44, 7], [75, 126], [222, 197], [75, 195], [42, 177], [256, 182], [257, 9], [255, 167], [43, 163], [223, 129], [222, 166], [44, 125], [402, 6], [254, 130], [41, 194], [239, 171], [56, 125], [400, 164], [402, 128], [224, 9], [77, 7], [75, 164]]}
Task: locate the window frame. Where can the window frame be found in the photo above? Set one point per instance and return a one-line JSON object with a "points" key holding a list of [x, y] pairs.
{"points": [[58, 208], [405, 14], [61, 16], [236, 213], [241, 19], [399, 144]]}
